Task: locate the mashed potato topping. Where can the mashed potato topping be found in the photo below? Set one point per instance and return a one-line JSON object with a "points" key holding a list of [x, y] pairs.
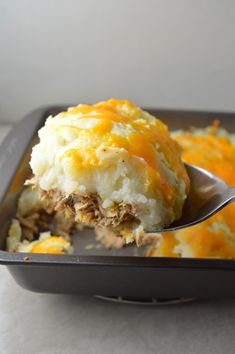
{"points": [[212, 149], [117, 154]]}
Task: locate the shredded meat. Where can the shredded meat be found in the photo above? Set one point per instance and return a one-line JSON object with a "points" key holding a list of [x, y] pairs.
{"points": [[88, 209], [40, 221], [45, 218], [63, 224], [34, 223], [142, 238], [109, 238]]}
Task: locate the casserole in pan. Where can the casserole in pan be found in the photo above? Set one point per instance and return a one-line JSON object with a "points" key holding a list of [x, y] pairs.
{"points": [[125, 272]]}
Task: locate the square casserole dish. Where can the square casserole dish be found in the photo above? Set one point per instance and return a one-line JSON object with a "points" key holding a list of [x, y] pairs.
{"points": [[126, 272]]}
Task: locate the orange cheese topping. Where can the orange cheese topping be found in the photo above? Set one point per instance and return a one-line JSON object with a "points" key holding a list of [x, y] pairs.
{"points": [[214, 237], [145, 136], [214, 153], [51, 245], [166, 247]]}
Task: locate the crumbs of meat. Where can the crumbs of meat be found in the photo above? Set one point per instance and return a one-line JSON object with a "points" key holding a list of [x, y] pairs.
{"points": [[108, 223], [33, 219], [40, 213], [40, 221], [88, 209]]}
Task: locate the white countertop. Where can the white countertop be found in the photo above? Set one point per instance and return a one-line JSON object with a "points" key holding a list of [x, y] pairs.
{"points": [[57, 324]]}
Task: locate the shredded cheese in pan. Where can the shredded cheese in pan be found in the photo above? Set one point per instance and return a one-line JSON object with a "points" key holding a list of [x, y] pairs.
{"points": [[212, 149]]}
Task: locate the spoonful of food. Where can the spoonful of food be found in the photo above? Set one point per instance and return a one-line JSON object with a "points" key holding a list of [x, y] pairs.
{"points": [[208, 194]]}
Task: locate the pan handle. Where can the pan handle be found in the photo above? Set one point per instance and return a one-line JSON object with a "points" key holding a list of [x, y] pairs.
{"points": [[15, 144]]}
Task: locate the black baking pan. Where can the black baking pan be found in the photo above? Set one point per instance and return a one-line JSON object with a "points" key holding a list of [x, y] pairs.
{"points": [[126, 272]]}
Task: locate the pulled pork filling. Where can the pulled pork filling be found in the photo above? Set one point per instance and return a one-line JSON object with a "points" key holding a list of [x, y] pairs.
{"points": [[41, 220], [77, 210], [87, 210], [110, 165]]}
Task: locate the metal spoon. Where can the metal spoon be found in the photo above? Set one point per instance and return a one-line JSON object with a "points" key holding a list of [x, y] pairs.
{"points": [[208, 194]]}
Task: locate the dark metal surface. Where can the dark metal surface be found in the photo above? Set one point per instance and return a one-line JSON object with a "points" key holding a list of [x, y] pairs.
{"points": [[97, 270]]}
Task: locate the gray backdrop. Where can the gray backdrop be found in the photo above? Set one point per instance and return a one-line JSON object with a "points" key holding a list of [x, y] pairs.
{"points": [[157, 53]]}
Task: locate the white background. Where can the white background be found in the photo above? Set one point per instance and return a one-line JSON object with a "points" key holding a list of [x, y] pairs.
{"points": [[178, 54]]}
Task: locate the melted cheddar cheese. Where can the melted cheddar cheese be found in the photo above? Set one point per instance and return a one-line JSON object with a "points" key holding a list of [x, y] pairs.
{"points": [[117, 151], [45, 244], [141, 141], [214, 237]]}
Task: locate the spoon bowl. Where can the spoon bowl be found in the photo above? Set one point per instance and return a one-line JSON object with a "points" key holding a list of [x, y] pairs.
{"points": [[208, 194]]}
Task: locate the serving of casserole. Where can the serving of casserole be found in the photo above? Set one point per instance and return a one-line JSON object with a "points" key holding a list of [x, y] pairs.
{"points": [[44, 252]]}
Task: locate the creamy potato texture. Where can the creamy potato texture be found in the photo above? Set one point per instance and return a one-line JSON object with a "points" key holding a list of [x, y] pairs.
{"points": [[117, 151]]}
